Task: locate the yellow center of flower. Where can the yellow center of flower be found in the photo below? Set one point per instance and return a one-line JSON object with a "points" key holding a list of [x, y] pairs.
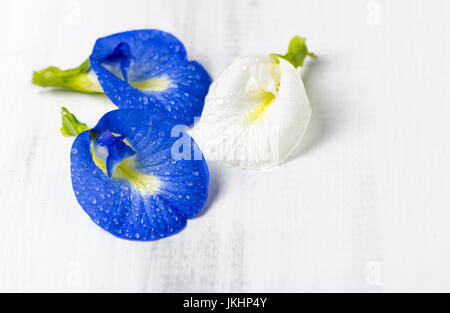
{"points": [[261, 89], [145, 184], [255, 115], [155, 84]]}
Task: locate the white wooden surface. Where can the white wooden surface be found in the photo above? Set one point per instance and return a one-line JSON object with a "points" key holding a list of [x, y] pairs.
{"points": [[363, 205]]}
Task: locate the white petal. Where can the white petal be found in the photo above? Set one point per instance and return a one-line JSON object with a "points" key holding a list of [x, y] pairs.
{"points": [[255, 114]]}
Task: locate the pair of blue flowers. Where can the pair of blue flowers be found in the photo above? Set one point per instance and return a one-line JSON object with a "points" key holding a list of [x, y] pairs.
{"points": [[126, 174]]}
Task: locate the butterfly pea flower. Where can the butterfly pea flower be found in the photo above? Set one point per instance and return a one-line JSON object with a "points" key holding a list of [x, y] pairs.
{"points": [[257, 110], [144, 69], [134, 175]]}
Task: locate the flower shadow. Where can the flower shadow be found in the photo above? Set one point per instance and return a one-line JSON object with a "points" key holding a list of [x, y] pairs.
{"points": [[317, 130], [213, 189], [62, 91]]}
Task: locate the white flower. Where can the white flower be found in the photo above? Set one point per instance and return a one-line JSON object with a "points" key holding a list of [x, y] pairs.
{"points": [[255, 113]]}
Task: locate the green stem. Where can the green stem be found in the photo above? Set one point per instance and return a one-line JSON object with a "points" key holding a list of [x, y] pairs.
{"points": [[78, 79], [297, 52], [71, 126]]}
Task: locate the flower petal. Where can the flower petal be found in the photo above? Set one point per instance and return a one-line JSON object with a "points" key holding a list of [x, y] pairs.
{"points": [[151, 194], [255, 113], [149, 69]]}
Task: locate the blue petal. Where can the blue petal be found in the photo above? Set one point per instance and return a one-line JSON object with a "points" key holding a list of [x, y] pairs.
{"points": [[124, 59], [115, 204]]}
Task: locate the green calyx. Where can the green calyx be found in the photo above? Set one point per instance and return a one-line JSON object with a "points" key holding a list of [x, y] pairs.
{"points": [[78, 79], [297, 52], [71, 126]]}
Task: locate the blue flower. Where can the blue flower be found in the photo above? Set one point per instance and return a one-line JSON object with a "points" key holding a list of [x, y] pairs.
{"points": [[149, 69], [132, 179], [145, 69]]}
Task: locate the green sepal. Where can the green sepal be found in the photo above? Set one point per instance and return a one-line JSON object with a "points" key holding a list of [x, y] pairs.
{"points": [[71, 126], [76, 79], [297, 52]]}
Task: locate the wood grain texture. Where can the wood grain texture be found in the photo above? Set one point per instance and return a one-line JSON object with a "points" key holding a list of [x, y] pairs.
{"points": [[362, 205]]}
